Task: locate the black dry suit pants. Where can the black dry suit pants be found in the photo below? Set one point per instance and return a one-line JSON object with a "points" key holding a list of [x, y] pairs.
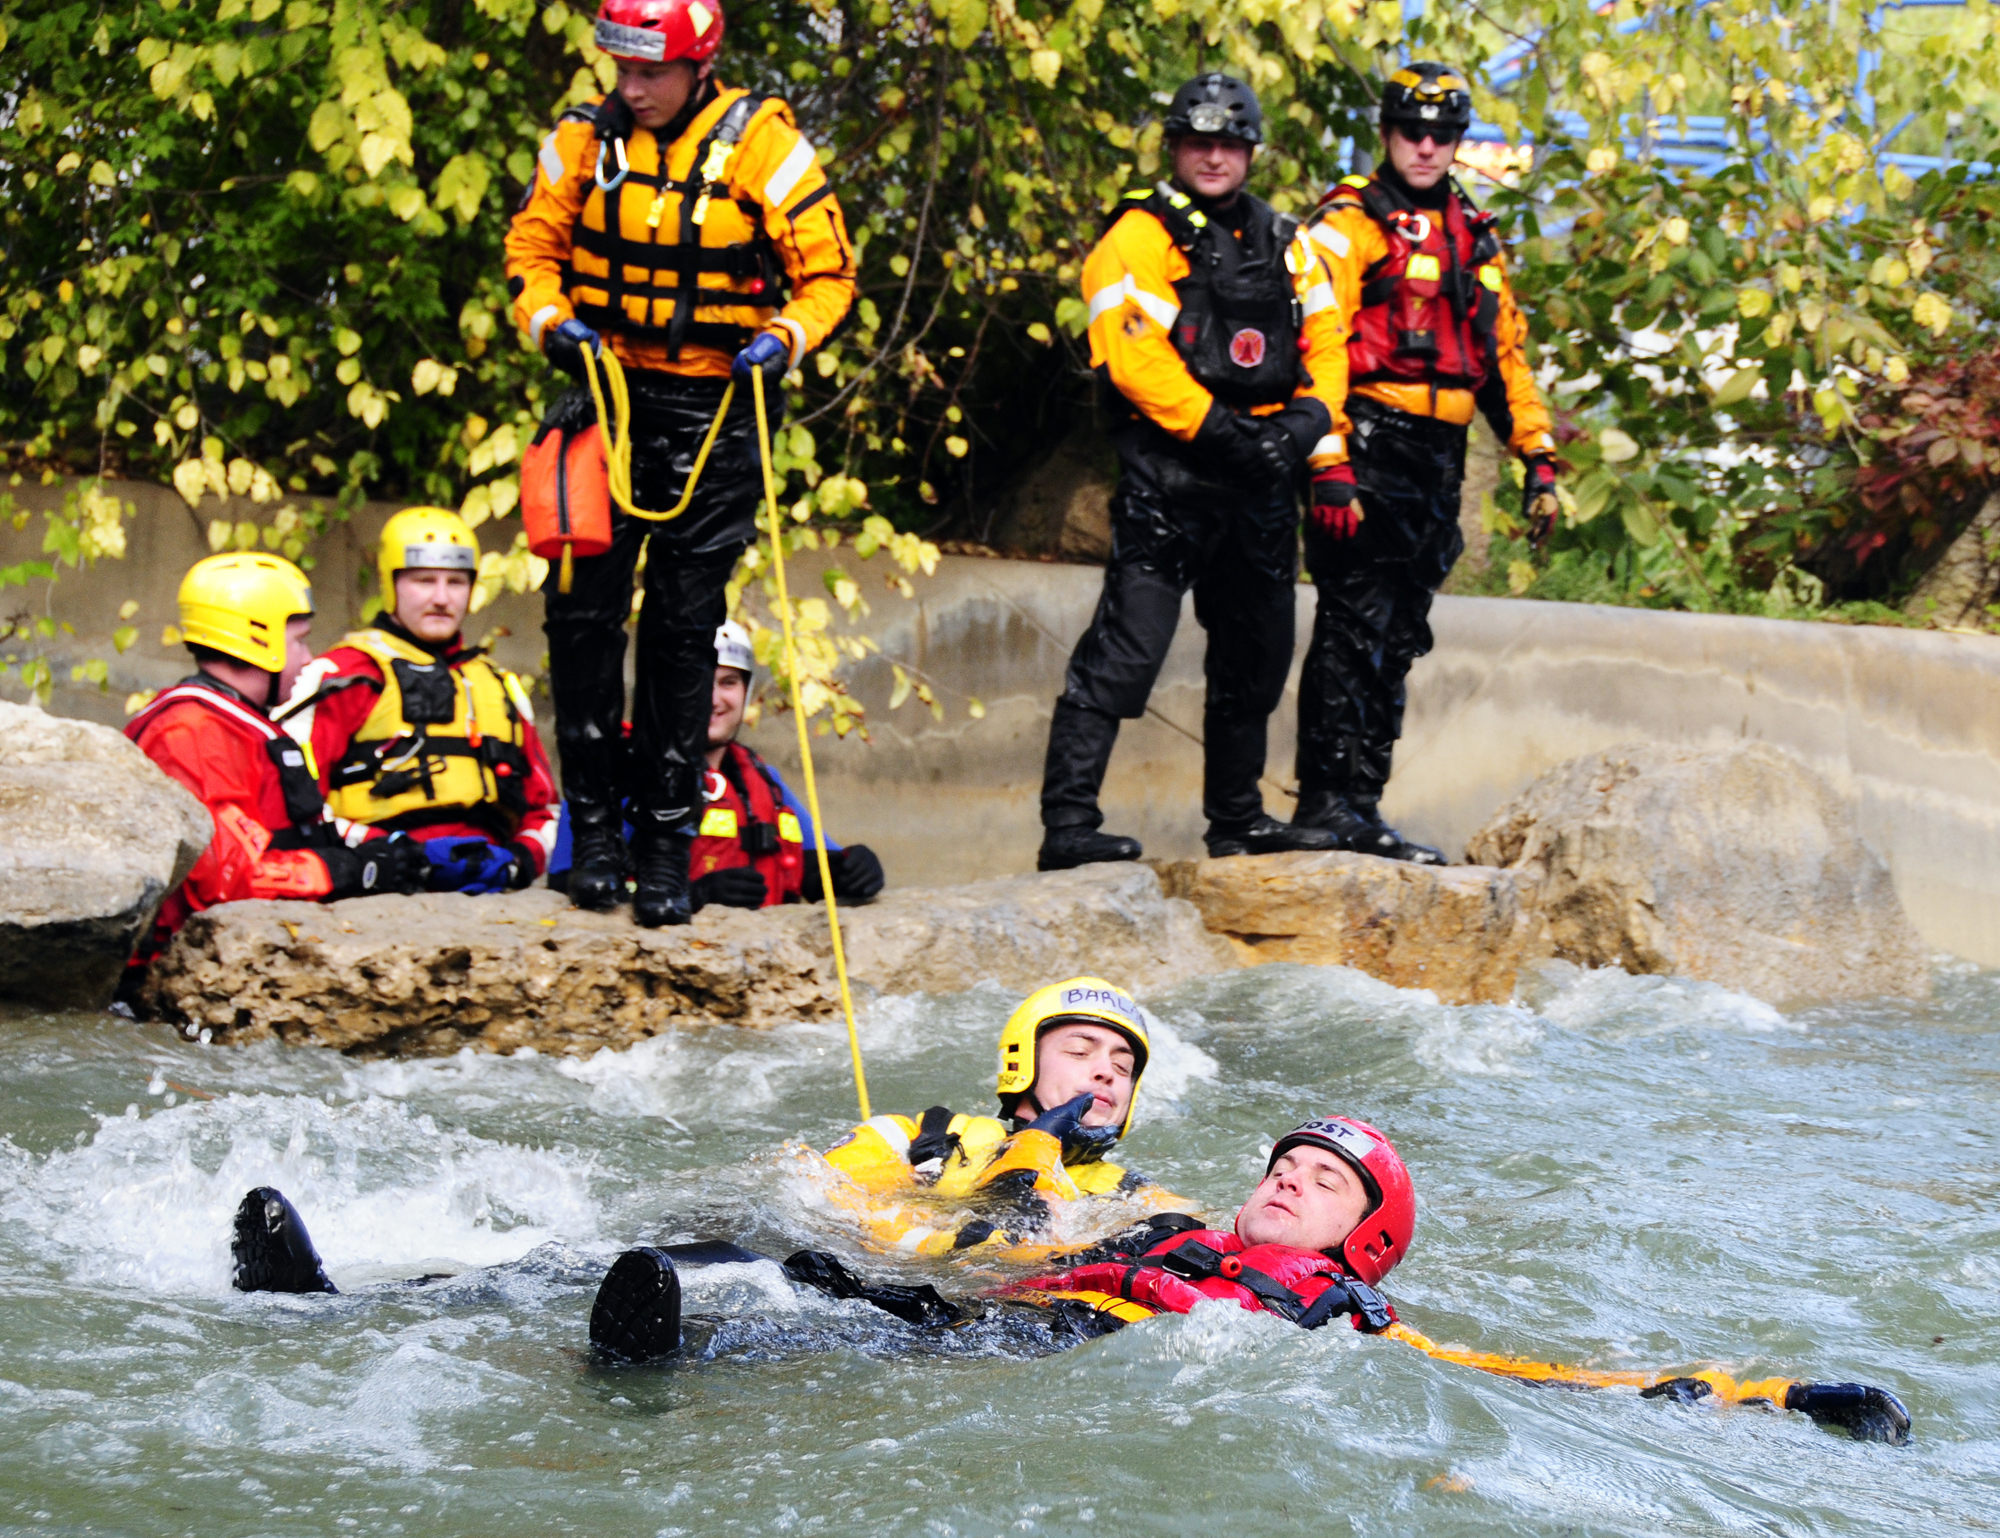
{"points": [[688, 564], [1238, 549], [1374, 598]]}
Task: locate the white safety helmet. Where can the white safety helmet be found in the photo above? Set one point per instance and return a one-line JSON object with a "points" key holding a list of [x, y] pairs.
{"points": [[732, 647]]}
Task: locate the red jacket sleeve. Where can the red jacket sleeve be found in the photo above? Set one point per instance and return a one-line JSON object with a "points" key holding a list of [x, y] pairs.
{"points": [[327, 726], [231, 775], [538, 828]]}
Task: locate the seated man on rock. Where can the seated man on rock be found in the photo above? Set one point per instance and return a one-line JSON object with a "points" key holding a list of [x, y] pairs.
{"points": [[753, 847], [1334, 1213], [1071, 1060], [411, 730], [244, 619]]}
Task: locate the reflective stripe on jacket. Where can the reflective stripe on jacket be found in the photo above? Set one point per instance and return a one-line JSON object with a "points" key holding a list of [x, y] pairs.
{"points": [[745, 821], [426, 742], [253, 780], [1131, 285], [623, 260], [1355, 247]]}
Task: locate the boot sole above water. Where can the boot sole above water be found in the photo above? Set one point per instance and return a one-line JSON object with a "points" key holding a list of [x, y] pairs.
{"points": [[271, 1249], [637, 1315]]}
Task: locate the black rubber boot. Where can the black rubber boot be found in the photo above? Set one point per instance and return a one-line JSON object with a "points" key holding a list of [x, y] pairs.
{"points": [[1356, 827], [660, 866], [271, 1248], [637, 1315], [1079, 752], [1067, 848], [1393, 845], [599, 859], [1267, 835]]}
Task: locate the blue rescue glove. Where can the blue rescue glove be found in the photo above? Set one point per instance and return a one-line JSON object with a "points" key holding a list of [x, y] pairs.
{"points": [[472, 866], [769, 353], [1080, 1144], [564, 346]]}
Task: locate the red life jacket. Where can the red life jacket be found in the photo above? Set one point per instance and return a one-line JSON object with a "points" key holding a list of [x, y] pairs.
{"points": [[746, 822], [1305, 1286], [1428, 308]]}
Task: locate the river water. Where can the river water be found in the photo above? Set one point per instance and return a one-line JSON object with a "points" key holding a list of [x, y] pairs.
{"points": [[1626, 1172]]}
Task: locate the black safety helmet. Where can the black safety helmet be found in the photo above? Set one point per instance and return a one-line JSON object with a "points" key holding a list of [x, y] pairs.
{"points": [[1427, 97], [1219, 105]]}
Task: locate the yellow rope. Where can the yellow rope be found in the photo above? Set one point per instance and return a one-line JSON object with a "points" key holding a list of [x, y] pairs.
{"points": [[805, 742], [617, 431], [1724, 1387]]}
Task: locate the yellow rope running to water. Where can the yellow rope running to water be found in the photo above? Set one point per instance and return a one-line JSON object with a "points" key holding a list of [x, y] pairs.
{"points": [[1724, 1387], [805, 743]]}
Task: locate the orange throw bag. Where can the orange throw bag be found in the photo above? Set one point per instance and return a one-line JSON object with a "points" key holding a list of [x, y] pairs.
{"points": [[566, 496]]}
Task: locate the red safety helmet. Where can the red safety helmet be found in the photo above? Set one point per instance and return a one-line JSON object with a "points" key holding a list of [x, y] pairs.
{"points": [[1382, 1237], [660, 30]]}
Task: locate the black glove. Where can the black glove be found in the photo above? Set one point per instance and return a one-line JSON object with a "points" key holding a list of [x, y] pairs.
{"points": [[565, 344], [738, 887], [1255, 452], [1866, 1413], [857, 874], [393, 864], [1080, 1144], [1539, 506]]}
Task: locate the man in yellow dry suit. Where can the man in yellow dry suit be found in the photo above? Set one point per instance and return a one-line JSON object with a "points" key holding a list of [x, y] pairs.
{"points": [[1071, 1060], [661, 223], [1427, 330], [410, 730], [1212, 339]]}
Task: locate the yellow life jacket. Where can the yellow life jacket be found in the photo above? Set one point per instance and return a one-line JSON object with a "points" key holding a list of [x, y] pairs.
{"points": [[662, 252], [443, 735]]}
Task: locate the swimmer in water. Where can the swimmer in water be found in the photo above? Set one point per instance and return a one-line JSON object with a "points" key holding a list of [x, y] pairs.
{"points": [[1071, 1061], [1334, 1213]]}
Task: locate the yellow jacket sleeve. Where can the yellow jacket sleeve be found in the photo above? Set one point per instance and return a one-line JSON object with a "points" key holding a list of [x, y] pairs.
{"points": [[1527, 430], [876, 1154], [1128, 285], [775, 167], [1348, 243], [538, 241]]}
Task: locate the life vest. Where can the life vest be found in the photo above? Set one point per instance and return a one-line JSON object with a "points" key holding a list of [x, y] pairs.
{"points": [[745, 821], [657, 223], [1429, 306], [303, 806], [1240, 318], [1185, 1268], [445, 734]]}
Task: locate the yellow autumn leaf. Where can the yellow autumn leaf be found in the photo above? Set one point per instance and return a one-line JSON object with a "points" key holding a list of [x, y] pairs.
{"points": [[956, 446], [1045, 64], [1931, 312]]}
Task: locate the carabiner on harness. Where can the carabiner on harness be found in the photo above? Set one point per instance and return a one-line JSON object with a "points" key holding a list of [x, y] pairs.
{"points": [[624, 167]]}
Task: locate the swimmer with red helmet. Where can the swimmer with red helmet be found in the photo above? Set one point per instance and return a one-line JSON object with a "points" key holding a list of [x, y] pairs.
{"points": [[1333, 1215]]}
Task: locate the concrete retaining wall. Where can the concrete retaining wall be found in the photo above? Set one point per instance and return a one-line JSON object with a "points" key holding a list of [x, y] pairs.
{"points": [[1907, 723]]}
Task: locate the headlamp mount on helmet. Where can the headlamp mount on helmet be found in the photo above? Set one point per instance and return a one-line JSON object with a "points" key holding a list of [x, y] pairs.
{"points": [[1217, 105]]}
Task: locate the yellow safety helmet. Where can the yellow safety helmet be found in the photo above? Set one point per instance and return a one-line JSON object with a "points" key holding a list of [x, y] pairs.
{"points": [[1089, 1000], [424, 539], [238, 604]]}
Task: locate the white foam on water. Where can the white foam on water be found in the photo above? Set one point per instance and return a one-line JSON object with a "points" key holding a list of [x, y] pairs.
{"points": [[1610, 1001], [147, 1203]]}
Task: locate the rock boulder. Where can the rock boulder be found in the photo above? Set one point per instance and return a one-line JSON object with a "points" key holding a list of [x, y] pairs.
{"points": [[93, 837], [1456, 930], [1739, 865], [429, 975]]}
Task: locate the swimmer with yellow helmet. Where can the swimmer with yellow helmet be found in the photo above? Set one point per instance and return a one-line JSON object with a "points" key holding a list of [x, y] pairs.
{"points": [[408, 728], [1071, 1060]]}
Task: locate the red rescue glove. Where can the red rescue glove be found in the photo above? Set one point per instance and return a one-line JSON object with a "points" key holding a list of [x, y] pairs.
{"points": [[1336, 503], [1539, 506]]}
